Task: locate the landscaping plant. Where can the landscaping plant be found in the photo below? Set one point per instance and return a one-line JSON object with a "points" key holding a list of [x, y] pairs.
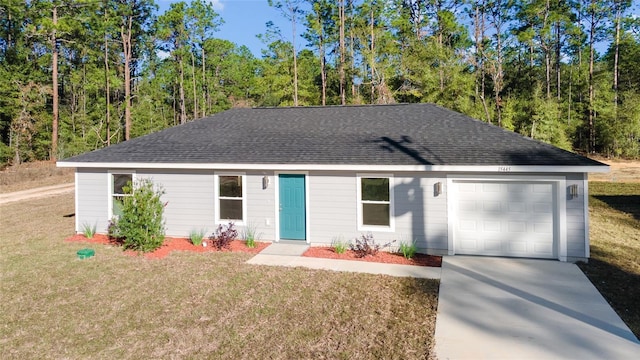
{"points": [[250, 235], [223, 236], [408, 249], [196, 236], [88, 230], [365, 245], [141, 225], [339, 245]]}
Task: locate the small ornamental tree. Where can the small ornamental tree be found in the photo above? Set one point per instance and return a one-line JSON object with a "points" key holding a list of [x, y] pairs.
{"points": [[141, 226]]}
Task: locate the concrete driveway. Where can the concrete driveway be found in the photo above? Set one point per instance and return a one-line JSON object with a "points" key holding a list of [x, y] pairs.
{"points": [[497, 308]]}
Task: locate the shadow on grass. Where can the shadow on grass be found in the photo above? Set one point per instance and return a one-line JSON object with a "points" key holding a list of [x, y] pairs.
{"points": [[620, 288], [629, 204]]}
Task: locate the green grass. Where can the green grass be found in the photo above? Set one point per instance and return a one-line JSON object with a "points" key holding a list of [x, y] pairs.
{"points": [[614, 267], [190, 305]]}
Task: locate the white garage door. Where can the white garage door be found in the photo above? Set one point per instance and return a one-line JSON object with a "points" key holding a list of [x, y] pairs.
{"points": [[505, 219]]}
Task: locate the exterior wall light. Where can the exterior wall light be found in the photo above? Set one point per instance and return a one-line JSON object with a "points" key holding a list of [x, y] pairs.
{"points": [[265, 182], [437, 188], [573, 191]]}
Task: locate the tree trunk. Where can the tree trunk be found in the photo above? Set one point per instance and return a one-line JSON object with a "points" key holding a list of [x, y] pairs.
{"points": [[295, 56], [373, 57], [323, 70], [183, 110], [205, 89], [107, 85], [193, 81], [547, 51], [127, 49], [592, 130], [558, 55], [615, 62], [343, 99], [54, 76]]}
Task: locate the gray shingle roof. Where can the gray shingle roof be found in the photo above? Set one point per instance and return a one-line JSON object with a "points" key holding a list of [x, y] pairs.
{"points": [[402, 134]]}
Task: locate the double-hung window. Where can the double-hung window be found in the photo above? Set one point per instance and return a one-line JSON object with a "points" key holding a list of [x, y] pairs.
{"points": [[120, 183], [375, 202], [231, 197]]}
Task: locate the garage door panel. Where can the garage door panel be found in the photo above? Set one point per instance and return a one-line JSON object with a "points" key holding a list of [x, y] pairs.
{"points": [[505, 219], [468, 225], [519, 207], [542, 208], [517, 227], [491, 206], [491, 188], [491, 226]]}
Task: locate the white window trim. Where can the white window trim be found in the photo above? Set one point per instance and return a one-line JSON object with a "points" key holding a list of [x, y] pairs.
{"points": [[110, 187], [216, 197], [378, 228]]}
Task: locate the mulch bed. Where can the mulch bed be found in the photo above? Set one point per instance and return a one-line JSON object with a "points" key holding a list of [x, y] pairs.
{"points": [[170, 244], [380, 257]]}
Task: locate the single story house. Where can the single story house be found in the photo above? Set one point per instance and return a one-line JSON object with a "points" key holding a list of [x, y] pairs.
{"points": [[405, 172]]}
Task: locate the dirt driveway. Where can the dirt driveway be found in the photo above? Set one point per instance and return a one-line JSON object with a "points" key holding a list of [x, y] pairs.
{"points": [[619, 171], [36, 193]]}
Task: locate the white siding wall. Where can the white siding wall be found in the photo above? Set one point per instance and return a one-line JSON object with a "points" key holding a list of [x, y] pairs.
{"points": [[575, 218], [189, 198], [419, 214], [261, 205], [92, 191], [332, 202]]}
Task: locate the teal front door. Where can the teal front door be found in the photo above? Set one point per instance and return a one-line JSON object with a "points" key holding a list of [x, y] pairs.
{"points": [[292, 207]]}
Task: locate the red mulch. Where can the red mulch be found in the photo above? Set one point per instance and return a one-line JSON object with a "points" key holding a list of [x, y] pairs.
{"points": [[171, 244], [381, 257]]}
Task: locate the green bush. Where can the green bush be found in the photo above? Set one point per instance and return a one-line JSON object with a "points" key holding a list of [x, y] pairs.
{"points": [[141, 227]]}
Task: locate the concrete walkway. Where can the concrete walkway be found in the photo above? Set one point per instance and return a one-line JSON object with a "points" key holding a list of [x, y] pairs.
{"points": [[287, 254], [496, 308]]}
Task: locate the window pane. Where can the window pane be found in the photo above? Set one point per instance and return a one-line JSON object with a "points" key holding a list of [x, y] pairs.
{"points": [[119, 181], [375, 189], [231, 186], [231, 209], [375, 214], [118, 202]]}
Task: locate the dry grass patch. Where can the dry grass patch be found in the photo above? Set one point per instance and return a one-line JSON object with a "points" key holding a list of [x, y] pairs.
{"points": [[32, 175], [614, 267], [189, 305]]}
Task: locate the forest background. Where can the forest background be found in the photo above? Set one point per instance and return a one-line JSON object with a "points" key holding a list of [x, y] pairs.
{"points": [[80, 75]]}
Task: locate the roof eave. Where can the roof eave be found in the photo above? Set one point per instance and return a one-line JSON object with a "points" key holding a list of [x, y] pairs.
{"points": [[344, 167]]}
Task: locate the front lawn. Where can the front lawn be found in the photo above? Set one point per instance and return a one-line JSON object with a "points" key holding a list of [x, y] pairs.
{"points": [[614, 267], [189, 305]]}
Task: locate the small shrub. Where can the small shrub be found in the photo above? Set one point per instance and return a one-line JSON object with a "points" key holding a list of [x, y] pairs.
{"points": [[113, 232], [196, 236], [89, 230], [141, 226], [250, 235], [408, 249], [365, 245], [223, 236], [339, 245]]}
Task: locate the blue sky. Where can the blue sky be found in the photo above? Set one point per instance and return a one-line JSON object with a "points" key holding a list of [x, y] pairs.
{"points": [[243, 20]]}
